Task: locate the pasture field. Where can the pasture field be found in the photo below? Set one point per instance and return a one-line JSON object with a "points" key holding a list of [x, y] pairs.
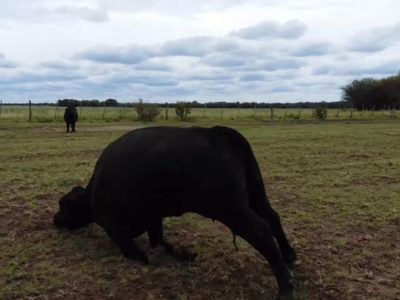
{"points": [[46, 114], [335, 184]]}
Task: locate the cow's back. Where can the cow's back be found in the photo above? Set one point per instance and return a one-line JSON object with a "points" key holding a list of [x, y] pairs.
{"points": [[175, 169]]}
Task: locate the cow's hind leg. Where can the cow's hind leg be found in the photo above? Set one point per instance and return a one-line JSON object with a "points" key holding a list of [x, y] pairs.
{"points": [[73, 126], [257, 232], [155, 232], [264, 210], [67, 124]]}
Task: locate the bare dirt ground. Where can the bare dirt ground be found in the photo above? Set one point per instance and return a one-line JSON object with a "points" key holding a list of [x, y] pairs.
{"points": [[336, 193], [355, 262]]}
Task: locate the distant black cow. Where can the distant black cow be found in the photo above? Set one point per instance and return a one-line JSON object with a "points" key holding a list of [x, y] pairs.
{"points": [[156, 172], [70, 117]]}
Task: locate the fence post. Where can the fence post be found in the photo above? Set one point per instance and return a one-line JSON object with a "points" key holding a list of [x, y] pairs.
{"points": [[222, 110], [238, 114], [351, 112], [327, 111], [30, 112], [272, 113], [104, 110], [166, 111], [254, 112], [204, 109], [299, 112]]}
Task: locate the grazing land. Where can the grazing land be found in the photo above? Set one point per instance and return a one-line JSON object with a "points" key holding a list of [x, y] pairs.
{"points": [[335, 184], [46, 114]]}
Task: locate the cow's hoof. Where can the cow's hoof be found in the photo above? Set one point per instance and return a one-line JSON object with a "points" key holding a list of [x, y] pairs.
{"points": [[290, 258], [145, 260], [286, 296], [136, 255]]}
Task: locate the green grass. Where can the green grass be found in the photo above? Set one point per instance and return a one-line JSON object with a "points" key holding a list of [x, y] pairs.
{"points": [[48, 114], [335, 184]]}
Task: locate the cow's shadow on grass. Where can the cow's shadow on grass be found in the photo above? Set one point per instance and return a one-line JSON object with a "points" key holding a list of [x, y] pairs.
{"points": [[93, 243]]}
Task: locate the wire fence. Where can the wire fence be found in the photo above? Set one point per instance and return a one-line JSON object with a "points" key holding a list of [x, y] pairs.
{"points": [[45, 114]]}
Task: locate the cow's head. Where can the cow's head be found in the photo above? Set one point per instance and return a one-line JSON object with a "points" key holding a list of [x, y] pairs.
{"points": [[74, 210]]}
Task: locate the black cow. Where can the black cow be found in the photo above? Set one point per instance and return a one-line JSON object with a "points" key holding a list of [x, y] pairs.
{"points": [[156, 172], [70, 117]]}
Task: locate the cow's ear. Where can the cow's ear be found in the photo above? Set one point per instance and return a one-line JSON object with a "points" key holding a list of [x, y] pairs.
{"points": [[75, 195], [76, 191]]}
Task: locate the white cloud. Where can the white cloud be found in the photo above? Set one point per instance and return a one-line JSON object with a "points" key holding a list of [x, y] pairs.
{"points": [[58, 65], [270, 29], [313, 49], [375, 39], [252, 77], [6, 63], [193, 46], [104, 54], [84, 12]]}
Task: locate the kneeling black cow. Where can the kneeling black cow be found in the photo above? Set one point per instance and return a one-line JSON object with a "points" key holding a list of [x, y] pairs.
{"points": [[156, 172]]}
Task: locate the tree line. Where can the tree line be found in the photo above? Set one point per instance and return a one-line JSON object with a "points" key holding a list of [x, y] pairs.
{"points": [[196, 104], [373, 94], [362, 94]]}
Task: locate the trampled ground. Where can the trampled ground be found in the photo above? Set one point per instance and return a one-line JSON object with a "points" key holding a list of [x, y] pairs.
{"points": [[336, 186]]}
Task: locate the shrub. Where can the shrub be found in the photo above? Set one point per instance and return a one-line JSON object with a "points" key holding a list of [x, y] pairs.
{"points": [[182, 110], [321, 112], [146, 111]]}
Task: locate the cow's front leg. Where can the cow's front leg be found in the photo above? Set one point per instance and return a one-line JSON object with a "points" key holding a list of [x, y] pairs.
{"points": [[124, 241], [130, 250], [155, 232]]}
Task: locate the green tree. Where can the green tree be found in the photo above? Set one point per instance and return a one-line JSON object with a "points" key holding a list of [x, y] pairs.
{"points": [[321, 112], [111, 102], [391, 86], [369, 93], [360, 93], [146, 111], [182, 110]]}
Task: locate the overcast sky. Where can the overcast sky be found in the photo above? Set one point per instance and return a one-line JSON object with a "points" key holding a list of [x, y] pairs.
{"points": [[226, 50]]}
